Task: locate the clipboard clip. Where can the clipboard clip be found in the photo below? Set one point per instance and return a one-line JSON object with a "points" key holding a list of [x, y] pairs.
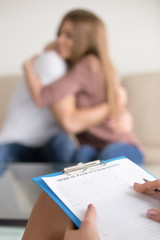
{"points": [[82, 166]]}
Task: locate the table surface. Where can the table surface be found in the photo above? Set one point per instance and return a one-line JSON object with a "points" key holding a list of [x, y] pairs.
{"points": [[154, 169], [11, 233]]}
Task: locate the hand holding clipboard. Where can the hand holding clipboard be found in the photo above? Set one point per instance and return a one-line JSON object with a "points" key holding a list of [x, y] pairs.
{"points": [[96, 184]]}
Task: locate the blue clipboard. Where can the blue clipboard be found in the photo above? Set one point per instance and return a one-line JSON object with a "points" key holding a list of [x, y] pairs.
{"points": [[39, 181]]}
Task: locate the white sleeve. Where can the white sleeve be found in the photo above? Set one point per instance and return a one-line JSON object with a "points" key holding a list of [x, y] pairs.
{"points": [[49, 66]]}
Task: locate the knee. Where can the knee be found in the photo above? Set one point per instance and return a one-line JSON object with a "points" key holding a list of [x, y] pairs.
{"points": [[4, 161], [85, 153], [5, 153], [122, 149], [61, 138]]}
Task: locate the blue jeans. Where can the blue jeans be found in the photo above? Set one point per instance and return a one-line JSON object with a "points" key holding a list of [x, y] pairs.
{"points": [[88, 153], [63, 151], [85, 153], [121, 149], [59, 149]]}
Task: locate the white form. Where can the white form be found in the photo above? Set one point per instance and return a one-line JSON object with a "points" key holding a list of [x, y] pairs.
{"points": [[121, 212]]}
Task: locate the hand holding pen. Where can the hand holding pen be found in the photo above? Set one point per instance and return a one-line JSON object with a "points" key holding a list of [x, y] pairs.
{"points": [[155, 190], [150, 187]]}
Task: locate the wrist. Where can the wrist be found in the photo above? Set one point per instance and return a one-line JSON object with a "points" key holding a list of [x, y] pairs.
{"points": [[107, 109], [27, 65]]}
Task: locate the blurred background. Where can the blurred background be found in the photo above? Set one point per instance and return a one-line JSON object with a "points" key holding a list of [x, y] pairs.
{"points": [[133, 28]]}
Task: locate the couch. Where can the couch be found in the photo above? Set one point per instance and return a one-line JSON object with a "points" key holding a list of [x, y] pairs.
{"points": [[143, 102]]}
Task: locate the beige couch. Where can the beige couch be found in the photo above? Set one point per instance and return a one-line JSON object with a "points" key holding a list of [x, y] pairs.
{"points": [[144, 103]]}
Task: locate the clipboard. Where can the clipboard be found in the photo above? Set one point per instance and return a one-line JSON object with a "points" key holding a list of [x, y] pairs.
{"points": [[69, 170], [96, 166]]}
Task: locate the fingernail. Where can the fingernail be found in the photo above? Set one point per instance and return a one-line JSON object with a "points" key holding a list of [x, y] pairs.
{"points": [[151, 213], [90, 206], [136, 183]]}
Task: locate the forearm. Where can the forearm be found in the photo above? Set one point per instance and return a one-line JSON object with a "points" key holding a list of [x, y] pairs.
{"points": [[33, 82], [79, 120], [122, 97], [86, 118]]}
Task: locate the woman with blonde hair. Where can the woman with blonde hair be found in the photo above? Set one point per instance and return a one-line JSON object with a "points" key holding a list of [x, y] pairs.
{"points": [[88, 101]]}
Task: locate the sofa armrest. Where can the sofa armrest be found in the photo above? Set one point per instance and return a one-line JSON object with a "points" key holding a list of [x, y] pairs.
{"points": [[7, 85], [144, 104]]}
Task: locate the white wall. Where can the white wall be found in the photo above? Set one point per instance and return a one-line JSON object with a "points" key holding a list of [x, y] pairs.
{"points": [[133, 27]]}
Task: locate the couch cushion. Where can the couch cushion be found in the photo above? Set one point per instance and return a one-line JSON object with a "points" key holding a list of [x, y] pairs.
{"points": [[144, 103], [7, 84]]}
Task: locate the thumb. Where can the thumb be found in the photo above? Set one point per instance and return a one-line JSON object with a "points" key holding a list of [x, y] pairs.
{"points": [[90, 213], [88, 226], [70, 231], [154, 214]]}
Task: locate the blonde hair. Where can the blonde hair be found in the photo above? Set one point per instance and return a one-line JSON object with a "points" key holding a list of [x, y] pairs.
{"points": [[90, 37]]}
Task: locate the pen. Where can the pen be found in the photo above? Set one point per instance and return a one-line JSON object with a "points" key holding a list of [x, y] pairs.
{"points": [[156, 190]]}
